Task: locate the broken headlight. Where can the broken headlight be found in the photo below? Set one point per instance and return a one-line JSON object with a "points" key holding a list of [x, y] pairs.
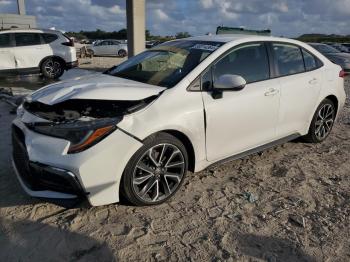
{"points": [[81, 134]]}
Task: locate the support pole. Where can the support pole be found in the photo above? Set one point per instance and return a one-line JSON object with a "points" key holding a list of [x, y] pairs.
{"points": [[135, 18], [21, 7]]}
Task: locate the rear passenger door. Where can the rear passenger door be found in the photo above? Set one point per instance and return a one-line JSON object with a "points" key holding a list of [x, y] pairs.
{"points": [[114, 48], [245, 119], [7, 58], [300, 81], [29, 50]]}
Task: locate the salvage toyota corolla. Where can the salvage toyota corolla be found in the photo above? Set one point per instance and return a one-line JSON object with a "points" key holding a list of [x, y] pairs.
{"points": [[136, 129]]}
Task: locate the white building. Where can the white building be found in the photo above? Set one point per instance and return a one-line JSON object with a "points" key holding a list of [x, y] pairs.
{"points": [[20, 20]]}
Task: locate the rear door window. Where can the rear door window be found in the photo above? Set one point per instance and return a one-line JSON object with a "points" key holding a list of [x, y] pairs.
{"points": [[5, 40], [289, 59], [49, 38], [27, 39]]}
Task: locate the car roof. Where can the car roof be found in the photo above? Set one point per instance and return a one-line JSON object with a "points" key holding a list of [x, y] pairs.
{"points": [[109, 40], [317, 44], [225, 38], [31, 30]]}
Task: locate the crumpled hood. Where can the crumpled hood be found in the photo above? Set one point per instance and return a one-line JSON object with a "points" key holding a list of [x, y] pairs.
{"points": [[96, 86]]}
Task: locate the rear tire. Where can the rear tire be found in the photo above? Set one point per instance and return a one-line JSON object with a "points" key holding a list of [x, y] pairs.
{"points": [[52, 68], [322, 122], [122, 53], [156, 171]]}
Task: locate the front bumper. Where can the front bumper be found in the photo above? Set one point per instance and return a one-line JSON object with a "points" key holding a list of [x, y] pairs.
{"points": [[39, 178], [45, 169]]}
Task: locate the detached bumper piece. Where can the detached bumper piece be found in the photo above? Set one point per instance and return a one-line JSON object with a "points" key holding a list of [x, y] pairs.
{"points": [[71, 65], [40, 177]]}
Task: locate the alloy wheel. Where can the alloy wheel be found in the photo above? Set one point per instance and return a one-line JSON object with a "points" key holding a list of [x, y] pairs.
{"points": [[53, 68], [324, 121], [158, 173]]}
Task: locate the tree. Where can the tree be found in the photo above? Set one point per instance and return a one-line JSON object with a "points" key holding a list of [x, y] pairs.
{"points": [[182, 35]]}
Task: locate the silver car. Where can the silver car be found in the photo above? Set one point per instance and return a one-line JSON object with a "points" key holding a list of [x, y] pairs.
{"points": [[109, 47]]}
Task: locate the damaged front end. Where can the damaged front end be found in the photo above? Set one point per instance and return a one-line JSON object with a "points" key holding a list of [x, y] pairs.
{"points": [[83, 122]]}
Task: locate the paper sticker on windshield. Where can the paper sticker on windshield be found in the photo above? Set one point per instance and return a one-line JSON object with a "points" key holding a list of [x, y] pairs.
{"points": [[211, 48]]}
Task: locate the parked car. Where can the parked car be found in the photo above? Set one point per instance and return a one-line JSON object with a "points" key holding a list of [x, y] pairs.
{"points": [[340, 47], [32, 51], [346, 45], [139, 127], [333, 54], [150, 44], [109, 47]]}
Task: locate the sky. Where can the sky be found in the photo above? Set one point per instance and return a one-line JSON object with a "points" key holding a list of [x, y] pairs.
{"points": [[289, 18]]}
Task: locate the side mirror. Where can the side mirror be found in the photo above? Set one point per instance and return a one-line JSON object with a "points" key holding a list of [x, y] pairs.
{"points": [[229, 83]]}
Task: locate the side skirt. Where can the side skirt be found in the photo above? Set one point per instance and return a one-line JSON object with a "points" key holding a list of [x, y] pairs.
{"points": [[19, 71], [256, 150]]}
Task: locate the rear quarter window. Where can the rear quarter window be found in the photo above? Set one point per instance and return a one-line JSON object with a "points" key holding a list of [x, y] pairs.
{"points": [[311, 61], [49, 38]]}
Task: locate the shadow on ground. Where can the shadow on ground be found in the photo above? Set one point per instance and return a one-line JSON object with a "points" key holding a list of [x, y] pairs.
{"points": [[28, 240], [271, 249]]}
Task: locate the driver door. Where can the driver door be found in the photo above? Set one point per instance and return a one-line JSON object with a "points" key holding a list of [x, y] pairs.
{"points": [[101, 48], [241, 120]]}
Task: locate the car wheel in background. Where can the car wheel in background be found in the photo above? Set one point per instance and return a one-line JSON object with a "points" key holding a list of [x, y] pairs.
{"points": [[322, 122], [52, 68], [122, 53], [156, 171]]}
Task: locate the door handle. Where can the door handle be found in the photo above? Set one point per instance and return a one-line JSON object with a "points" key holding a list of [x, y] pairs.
{"points": [[313, 81], [271, 92]]}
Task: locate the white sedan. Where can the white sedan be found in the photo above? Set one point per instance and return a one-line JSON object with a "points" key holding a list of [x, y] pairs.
{"points": [[182, 106], [109, 47]]}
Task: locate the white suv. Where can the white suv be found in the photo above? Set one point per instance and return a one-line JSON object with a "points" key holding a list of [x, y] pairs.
{"points": [[31, 51], [184, 105]]}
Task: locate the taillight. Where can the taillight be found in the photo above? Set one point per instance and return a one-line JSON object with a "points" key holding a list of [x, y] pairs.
{"points": [[342, 74], [70, 43]]}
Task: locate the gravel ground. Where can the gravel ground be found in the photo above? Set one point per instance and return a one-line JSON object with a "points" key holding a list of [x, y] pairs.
{"points": [[291, 203]]}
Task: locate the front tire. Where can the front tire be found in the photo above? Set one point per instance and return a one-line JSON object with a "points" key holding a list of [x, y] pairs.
{"points": [[52, 68], [156, 171], [322, 122]]}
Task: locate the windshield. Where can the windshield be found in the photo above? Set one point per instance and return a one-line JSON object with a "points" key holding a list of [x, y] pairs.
{"points": [[166, 64], [325, 49]]}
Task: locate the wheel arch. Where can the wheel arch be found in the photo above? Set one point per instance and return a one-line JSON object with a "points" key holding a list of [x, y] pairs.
{"points": [[55, 57], [335, 101], [331, 97], [186, 142]]}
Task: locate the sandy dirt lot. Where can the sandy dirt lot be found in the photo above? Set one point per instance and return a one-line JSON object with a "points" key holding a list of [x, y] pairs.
{"points": [[291, 203], [99, 63]]}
